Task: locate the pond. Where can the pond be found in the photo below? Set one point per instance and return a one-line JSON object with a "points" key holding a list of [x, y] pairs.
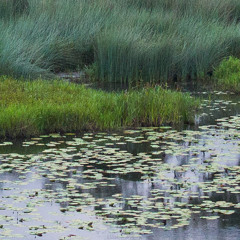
{"points": [[145, 183]]}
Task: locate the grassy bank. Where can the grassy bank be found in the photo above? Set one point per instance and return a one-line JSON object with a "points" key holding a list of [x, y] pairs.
{"points": [[126, 40], [37, 107]]}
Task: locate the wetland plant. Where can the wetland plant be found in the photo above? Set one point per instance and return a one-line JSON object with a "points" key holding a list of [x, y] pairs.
{"points": [[124, 40], [227, 74], [36, 107]]}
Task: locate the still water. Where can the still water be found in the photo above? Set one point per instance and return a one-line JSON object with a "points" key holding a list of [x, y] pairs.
{"points": [[146, 183]]}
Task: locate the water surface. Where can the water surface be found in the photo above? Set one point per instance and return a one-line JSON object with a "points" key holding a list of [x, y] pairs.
{"points": [[146, 183]]}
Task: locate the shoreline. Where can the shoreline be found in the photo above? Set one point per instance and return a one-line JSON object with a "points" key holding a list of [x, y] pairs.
{"points": [[30, 108]]}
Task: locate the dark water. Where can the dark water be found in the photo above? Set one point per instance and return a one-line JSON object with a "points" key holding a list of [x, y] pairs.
{"points": [[148, 183]]}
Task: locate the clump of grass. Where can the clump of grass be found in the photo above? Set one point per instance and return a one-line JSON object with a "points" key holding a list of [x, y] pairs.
{"points": [[227, 74], [53, 36], [41, 106]]}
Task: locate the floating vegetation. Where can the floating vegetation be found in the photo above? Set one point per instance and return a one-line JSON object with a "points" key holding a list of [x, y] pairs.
{"points": [[216, 104], [128, 183]]}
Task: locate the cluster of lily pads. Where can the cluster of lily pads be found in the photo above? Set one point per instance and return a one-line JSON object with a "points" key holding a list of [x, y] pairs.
{"points": [[215, 105], [134, 181], [129, 182]]}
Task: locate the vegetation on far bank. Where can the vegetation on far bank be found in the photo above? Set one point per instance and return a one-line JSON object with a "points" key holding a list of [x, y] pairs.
{"points": [[123, 40], [37, 107], [227, 75]]}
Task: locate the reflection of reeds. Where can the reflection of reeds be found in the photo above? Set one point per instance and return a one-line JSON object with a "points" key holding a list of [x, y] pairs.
{"points": [[35, 107], [127, 40]]}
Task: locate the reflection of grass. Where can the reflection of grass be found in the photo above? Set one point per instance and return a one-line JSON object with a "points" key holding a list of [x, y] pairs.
{"points": [[228, 74], [29, 108], [127, 40]]}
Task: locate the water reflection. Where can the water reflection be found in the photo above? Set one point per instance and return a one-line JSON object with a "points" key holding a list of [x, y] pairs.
{"points": [[137, 182]]}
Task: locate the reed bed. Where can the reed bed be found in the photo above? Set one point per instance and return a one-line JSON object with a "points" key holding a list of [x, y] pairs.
{"points": [[127, 41]]}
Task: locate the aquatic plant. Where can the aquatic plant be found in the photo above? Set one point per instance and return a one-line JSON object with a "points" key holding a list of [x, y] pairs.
{"points": [[35, 107], [139, 182]]}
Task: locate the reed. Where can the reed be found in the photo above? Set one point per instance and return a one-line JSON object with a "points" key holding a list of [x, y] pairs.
{"points": [[126, 40]]}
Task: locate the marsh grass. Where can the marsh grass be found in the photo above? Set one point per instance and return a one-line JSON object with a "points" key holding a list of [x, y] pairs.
{"points": [[41, 106], [227, 75], [125, 41]]}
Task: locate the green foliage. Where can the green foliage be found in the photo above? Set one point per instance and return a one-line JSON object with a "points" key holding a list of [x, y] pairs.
{"points": [[41, 106], [91, 72], [126, 40], [54, 36], [228, 74], [227, 67]]}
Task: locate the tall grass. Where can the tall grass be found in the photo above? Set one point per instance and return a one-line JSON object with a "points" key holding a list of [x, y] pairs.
{"points": [[41, 106], [128, 40], [49, 39]]}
